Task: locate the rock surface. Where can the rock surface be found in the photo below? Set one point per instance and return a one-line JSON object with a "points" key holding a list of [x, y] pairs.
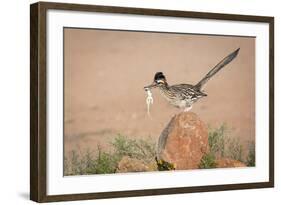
{"points": [[128, 164], [184, 141], [227, 163]]}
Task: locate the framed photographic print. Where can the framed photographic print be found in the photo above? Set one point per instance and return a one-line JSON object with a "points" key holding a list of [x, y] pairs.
{"points": [[134, 102]]}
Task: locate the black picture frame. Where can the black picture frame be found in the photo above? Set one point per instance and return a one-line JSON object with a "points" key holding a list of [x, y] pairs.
{"points": [[38, 100]]}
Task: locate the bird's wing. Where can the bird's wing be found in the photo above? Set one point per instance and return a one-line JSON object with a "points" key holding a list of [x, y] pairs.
{"points": [[185, 91]]}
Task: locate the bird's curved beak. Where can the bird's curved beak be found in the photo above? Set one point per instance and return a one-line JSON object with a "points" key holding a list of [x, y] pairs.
{"points": [[153, 85]]}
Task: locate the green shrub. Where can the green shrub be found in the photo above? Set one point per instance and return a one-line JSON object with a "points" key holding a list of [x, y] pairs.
{"points": [[76, 163], [139, 149], [65, 166], [222, 144], [216, 138], [208, 161], [251, 158], [235, 150], [105, 163]]}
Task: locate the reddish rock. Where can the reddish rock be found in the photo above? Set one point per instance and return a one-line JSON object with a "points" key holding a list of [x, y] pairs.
{"points": [[128, 164], [227, 163], [184, 141]]}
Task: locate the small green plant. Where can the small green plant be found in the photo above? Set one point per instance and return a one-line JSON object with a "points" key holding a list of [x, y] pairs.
{"points": [[105, 163], [235, 150], [217, 140], [208, 161], [139, 149], [89, 163], [251, 158], [76, 163], [65, 166]]}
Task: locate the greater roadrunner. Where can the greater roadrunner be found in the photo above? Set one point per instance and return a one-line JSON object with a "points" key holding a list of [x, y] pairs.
{"points": [[184, 95]]}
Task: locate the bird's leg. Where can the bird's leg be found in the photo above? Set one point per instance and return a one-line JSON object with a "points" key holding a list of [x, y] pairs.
{"points": [[187, 109]]}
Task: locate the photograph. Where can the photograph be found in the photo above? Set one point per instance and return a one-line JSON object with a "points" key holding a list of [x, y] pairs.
{"points": [[143, 101]]}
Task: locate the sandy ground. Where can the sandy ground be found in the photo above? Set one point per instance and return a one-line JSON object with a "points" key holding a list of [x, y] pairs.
{"points": [[105, 72]]}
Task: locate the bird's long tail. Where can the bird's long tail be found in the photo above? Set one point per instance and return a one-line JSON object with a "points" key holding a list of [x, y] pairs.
{"points": [[216, 69]]}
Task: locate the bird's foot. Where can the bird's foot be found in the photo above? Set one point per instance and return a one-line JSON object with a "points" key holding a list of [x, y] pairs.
{"points": [[187, 109]]}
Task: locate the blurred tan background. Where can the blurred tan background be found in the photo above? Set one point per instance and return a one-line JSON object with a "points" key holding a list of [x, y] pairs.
{"points": [[105, 72]]}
